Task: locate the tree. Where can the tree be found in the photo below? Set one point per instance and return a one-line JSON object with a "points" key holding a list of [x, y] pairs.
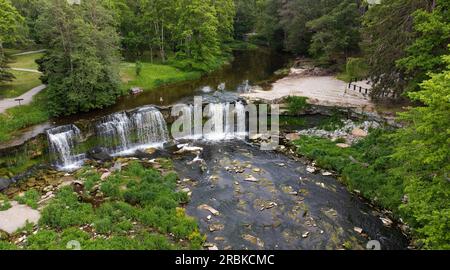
{"points": [[30, 10], [387, 33], [432, 29], [197, 29], [423, 149], [336, 34], [11, 23], [245, 18], [80, 64], [225, 13]]}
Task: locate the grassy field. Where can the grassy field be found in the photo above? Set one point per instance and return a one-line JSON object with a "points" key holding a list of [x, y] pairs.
{"points": [[153, 75], [23, 82], [26, 61]]}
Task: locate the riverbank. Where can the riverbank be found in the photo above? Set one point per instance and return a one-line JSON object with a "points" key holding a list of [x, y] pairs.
{"points": [[102, 207]]}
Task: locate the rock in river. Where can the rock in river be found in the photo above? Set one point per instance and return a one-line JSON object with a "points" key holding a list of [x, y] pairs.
{"points": [[4, 183], [99, 153]]}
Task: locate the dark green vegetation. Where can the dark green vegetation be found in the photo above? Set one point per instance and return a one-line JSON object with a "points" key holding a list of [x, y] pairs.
{"points": [[137, 208], [296, 104]]}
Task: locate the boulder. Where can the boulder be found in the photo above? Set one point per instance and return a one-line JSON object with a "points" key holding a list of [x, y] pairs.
{"points": [[136, 90], [292, 136], [342, 145], [99, 153], [16, 217], [4, 183], [357, 132]]}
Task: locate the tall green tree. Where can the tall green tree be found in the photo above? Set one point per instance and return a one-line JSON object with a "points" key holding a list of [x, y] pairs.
{"points": [[80, 64], [388, 31], [423, 149], [336, 34], [11, 23], [197, 28], [30, 10], [432, 29]]}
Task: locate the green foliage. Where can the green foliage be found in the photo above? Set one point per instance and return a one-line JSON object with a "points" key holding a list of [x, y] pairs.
{"points": [[81, 60], [138, 68], [138, 202], [30, 198], [356, 68], [66, 211], [433, 36], [332, 122], [154, 75], [423, 149], [7, 246], [387, 33], [297, 104], [4, 203], [364, 167], [11, 23], [336, 34]]}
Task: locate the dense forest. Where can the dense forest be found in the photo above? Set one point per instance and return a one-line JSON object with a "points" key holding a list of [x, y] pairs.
{"points": [[401, 45]]}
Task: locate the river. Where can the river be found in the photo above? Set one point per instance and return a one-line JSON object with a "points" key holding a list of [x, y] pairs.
{"points": [[282, 207]]}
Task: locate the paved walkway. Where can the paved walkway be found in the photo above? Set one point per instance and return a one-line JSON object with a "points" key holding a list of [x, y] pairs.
{"points": [[29, 52], [27, 98], [26, 70], [320, 90]]}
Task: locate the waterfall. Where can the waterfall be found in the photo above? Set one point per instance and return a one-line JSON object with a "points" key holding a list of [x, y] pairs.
{"points": [[124, 134], [226, 121], [151, 127], [115, 130], [62, 141]]}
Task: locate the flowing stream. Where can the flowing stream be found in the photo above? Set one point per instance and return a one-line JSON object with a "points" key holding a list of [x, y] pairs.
{"points": [[282, 207]]}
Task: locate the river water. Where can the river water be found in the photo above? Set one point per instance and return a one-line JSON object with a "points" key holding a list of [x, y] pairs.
{"points": [[283, 207]]}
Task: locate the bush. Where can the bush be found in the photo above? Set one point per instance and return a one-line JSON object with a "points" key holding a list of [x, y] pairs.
{"points": [[296, 104], [30, 198], [65, 211]]}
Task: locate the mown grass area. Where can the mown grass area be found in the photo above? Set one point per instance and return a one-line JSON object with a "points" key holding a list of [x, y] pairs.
{"points": [[25, 61], [23, 82], [364, 166], [135, 209], [153, 75], [20, 117]]}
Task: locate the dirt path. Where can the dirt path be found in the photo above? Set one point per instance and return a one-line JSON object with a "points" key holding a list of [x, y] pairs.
{"points": [[320, 90], [27, 98]]}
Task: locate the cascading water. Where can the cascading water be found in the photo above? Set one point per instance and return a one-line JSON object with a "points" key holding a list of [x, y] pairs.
{"points": [[62, 141], [227, 121], [123, 134], [115, 131], [151, 128]]}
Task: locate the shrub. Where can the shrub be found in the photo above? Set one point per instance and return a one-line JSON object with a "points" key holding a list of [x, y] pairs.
{"points": [[30, 198], [296, 104]]}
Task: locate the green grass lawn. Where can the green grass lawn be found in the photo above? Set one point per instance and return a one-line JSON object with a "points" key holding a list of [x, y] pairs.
{"points": [[25, 61], [19, 117], [23, 82], [153, 75]]}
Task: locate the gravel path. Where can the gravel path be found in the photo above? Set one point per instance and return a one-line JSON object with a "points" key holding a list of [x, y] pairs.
{"points": [[27, 98]]}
